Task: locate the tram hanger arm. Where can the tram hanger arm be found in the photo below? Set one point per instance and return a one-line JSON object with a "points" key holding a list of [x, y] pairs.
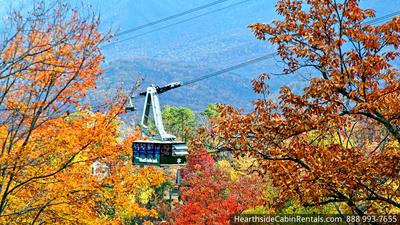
{"points": [[163, 89], [152, 102]]}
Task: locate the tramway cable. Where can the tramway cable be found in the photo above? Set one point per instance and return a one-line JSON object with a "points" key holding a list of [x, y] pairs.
{"points": [[176, 23], [171, 17]]}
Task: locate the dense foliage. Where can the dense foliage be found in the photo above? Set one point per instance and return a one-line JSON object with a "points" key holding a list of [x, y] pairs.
{"points": [[179, 121], [338, 140], [211, 194], [50, 139]]}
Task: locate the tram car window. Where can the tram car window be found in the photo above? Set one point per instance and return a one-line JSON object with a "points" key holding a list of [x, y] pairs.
{"points": [[166, 150], [142, 151]]}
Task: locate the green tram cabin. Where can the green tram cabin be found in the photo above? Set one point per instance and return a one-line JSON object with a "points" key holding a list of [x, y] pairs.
{"points": [[159, 152]]}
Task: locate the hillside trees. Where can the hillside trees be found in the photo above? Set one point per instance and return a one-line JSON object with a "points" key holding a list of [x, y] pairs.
{"points": [[179, 120], [124, 194], [48, 62], [338, 140], [49, 137], [212, 192], [210, 112]]}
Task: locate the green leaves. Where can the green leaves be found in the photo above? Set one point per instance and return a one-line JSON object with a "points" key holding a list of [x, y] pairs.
{"points": [[180, 121]]}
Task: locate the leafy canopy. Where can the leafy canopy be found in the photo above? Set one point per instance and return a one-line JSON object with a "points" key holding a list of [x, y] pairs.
{"points": [[338, 141]]}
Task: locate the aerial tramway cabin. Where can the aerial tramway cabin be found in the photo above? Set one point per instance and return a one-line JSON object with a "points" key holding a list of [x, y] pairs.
{"points": [[162, 149]]}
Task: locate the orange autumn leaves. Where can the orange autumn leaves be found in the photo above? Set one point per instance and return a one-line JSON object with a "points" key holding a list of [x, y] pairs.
{"points": [[52, 65], [49, 137], [49, 61], [338, 140], [53, 168], [54, 173]]}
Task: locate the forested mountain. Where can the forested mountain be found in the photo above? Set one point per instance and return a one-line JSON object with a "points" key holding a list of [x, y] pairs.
{"points": [[231, 88], [186, 50]]}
